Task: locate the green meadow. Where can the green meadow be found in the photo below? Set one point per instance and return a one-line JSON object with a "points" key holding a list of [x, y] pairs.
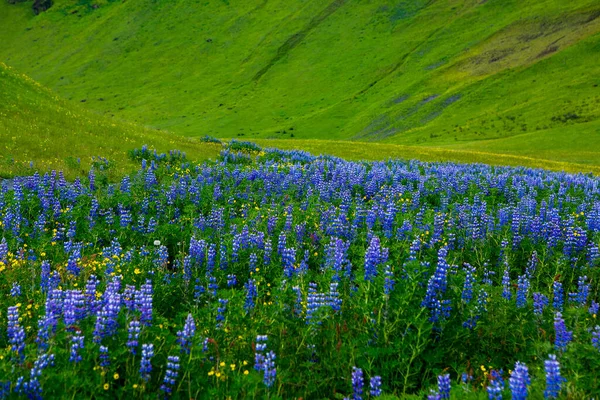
{"points": [[480, 81], [40, 131]]}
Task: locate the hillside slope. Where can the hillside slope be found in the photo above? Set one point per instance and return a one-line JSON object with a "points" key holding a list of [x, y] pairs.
{"points": [[38, 126], [495, 75]]}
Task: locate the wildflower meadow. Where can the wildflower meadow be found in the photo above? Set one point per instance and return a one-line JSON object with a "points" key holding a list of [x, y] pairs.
{"points": [[277, 274]]}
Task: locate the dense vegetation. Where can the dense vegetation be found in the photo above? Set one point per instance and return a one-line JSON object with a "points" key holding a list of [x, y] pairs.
{"points": [[270, 274], [499, 76]]}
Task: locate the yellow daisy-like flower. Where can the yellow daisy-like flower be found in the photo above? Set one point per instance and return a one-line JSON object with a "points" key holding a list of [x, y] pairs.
{"points": [[218, 374], [211, 373], [116, 376], [246, 372], [135, 386], [222, 364], [106, 386], [137, 271]]}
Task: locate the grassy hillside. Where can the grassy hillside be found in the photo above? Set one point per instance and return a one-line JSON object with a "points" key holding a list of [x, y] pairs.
{"points": [[500, 76], [41, 131], [38, 126]]}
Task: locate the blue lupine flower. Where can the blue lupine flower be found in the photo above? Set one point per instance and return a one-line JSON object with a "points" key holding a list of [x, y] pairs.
{"points": [[212, 285], [372, 259], [506, 291], [125, 185], [221, 311], [16, 333], [185, 336], [15, 290], [539, 302], [563, 336], [45, 277], [4, 389], [92, 304], [211, 258], [32, 388], [388, 282], [496, 386], [269, 369], [532, 265], [596, 337], [288, 260], [554, 380], [559, 296], [444, 386], [104, 357], [332, 299], [73, 307], [467, 292], [267, 252], [198, 290], [357, 383], [583, 290], [76, 345], [134, 333], [519, 381], [251, 294], [146, 361], [143, 300], [259, 357], [594, 307], [3, 251], [466, 377], [375, 386], [281, 243], [436, 287], [252, 262], [92, 179], [522, 290], [170, 375]]}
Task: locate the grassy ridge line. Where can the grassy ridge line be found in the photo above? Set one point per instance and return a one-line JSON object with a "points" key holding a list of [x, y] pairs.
{"points": [[38, 126], [382, 151]]}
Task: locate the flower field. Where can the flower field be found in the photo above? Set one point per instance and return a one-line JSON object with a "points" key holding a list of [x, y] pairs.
{"points": [[273, 274]]}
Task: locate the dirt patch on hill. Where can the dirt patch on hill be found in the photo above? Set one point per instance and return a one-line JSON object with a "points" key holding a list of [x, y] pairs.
{"points": [[526, 42]]}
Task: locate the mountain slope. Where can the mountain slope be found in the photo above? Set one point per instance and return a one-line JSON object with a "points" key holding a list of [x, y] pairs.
{"points": [[38, 126], [460, 73]]}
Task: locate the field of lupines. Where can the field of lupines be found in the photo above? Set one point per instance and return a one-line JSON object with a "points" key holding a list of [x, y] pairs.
{"points": [[271, 274]]}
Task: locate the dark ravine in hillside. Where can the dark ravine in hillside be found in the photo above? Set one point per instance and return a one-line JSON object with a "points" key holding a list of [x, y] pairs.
{"points": [[38, 6]]}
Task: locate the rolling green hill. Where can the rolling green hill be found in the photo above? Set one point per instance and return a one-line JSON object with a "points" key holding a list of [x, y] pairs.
{"points": [[40, 131], [496, 76], [37, 126]]}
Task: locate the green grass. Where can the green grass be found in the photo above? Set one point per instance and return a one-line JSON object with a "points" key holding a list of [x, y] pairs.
{"points": [[38, 126], [492, 76]]}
